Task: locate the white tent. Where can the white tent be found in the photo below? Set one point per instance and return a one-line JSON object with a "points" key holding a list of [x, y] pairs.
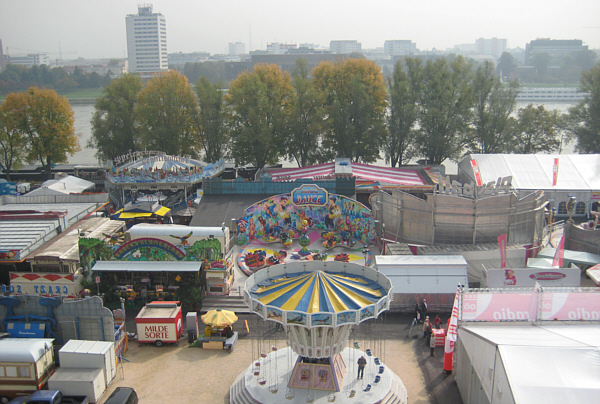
{"points": [[505, 363]]}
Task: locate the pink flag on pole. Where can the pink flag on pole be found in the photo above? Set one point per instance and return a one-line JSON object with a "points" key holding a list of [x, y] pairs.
{"points": [[555, 172], [560, 253], [502, 247], [476, 172]]}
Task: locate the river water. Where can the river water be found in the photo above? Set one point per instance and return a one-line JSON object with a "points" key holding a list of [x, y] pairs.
{"points": [[83, 129]]}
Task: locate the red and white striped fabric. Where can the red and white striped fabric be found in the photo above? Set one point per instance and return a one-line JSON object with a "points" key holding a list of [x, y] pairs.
{"points": [[387, 175], [290, 174]]}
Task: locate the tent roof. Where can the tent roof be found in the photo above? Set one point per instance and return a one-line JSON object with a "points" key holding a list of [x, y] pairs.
{"points": [[535, 171], [386, 175], [547, 363], [66, 185]]}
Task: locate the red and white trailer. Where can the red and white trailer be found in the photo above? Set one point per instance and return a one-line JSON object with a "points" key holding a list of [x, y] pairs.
{"points": [[159, 323]]}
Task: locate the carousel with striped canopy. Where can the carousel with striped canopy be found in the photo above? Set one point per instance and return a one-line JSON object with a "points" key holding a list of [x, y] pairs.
{"points": [[318, 304]]}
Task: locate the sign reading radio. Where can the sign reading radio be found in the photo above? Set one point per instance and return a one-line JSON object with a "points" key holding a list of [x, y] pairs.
{"points": [[309, 195]]}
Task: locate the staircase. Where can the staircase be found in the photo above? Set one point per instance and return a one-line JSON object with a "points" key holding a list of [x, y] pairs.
{"points": [[234, 303]]}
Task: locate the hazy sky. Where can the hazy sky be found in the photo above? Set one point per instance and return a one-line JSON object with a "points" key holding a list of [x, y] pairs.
{"points": [[96, 29]]}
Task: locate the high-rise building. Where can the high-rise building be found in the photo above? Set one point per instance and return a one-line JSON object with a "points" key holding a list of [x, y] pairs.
{"points": [[146, 41], [399, 47], [491, 47], [345, 46], [237, 48]]}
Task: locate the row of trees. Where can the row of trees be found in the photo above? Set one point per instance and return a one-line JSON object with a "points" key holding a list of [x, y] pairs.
{"points": [[436, 110], [36, 126], [20, 78]]}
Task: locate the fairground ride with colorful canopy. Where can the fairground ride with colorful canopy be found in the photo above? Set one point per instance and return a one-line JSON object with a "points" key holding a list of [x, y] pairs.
{"points": [[317, 303]]}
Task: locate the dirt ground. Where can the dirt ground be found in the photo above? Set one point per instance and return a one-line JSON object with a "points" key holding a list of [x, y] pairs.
{"points": [[181, 374]]}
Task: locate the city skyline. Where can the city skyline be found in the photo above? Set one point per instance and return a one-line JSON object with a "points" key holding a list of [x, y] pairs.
{"points": [[97, 29]]}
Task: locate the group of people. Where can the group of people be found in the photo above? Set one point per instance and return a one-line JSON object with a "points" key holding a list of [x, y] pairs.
{"points": [[422, 317]]}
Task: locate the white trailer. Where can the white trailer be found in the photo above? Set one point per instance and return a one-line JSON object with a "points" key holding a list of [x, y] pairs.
{"points": [[80, 354], [160, 322], [416, 277], [79, 382], [25, 365]]}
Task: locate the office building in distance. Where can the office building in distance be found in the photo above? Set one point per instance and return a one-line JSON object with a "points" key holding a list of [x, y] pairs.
{"points": [[146, 42]]}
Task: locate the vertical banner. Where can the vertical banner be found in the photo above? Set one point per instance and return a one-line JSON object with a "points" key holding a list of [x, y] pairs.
{"points": [[476, 172], [502, 247], [555, 172], [560, 253], [451, 335]]}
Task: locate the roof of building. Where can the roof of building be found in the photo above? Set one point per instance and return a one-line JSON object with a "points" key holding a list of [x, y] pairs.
{"points": [[23, 233], [536, 171], [24, 349], [65, 246]]}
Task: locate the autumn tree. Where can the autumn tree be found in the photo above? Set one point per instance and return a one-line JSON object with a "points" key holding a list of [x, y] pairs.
{"points": [[47, 120], [403, 88], [212, 133], [167, 113], [355, 102], [536, 131], [114, 129], [13, 141], [494, 104], [258, 104], [445, 103], [584, 119], [303, 143]]}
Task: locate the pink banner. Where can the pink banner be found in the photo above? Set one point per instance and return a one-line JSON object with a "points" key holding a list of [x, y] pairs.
{"points": [[571, 306], [476, 172], [498, 306], [502, 247], [555, 172]]}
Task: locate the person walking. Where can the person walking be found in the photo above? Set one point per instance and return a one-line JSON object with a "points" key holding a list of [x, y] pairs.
{"points": [[362, 362], [418, 316], [431, 345], [427, 330]]}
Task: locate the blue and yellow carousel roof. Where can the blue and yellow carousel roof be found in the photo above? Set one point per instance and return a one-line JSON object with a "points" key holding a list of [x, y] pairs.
{"points": [[318, 291]]}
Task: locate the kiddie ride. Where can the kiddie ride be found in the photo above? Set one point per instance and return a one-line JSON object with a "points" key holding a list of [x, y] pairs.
{"points": [[343, 239]]}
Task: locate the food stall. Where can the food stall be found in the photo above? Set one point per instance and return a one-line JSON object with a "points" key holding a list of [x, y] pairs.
{"points": [[159, 323]]}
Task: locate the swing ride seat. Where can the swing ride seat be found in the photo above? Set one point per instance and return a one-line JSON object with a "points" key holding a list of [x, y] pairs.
{"points": [[376, 360]]}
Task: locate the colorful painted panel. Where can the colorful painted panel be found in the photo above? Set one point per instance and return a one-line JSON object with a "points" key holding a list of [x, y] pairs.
{"points": [[271, 217]]}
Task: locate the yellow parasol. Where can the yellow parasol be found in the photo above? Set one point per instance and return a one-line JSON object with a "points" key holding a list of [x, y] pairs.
{"points": [[219, 317]]}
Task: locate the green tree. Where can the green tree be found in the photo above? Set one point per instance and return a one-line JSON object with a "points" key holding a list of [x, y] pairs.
{"points": [[47, 120], [13, 142], [258, 108], [355, 102], [210, 100], [507, 66], [446, 99], [306, 119], [403, 88], [494, 104], [536, 130], [114, 129], [167, 113], [584, 119]]}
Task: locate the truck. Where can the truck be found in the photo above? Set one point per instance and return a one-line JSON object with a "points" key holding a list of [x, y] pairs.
{"points": [[160, 322], [51, 397]]}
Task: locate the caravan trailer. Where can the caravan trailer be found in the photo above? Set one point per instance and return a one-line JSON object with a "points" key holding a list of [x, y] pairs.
{"points": [[26, 364]]}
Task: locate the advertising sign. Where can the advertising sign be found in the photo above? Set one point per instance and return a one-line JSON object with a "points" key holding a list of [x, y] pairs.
{"points": [[29, 283], [527, 277], [570, 306], [499, 306]]}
